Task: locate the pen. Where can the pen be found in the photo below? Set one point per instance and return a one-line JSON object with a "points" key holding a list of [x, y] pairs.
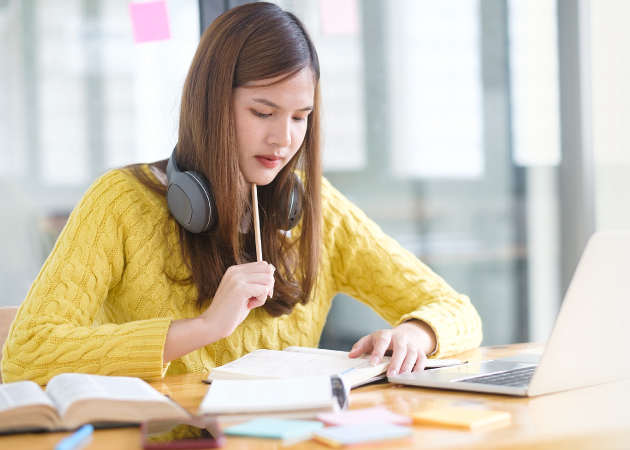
{"points": [[77, 440]]}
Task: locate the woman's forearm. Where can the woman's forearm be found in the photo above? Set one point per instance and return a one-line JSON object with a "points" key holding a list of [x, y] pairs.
{"points": [[187, 335]]}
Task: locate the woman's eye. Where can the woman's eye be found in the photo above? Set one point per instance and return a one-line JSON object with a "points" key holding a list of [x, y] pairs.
{"points": [[299, 119], [259, 114]]}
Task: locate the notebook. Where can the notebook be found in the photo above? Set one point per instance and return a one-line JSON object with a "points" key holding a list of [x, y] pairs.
{"points": [[295, 362], [294, 398], [308, 362]]}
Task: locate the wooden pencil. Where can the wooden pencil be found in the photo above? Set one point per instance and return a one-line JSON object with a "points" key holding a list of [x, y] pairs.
{"points": [[256, 223]]}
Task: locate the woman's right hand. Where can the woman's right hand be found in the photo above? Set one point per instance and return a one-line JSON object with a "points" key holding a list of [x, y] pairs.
{"points": [[242, 288]]}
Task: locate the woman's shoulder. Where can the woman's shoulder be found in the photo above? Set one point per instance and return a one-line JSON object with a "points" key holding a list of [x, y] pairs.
{"points": [[335, 205], [121, 189], [330, 194]]}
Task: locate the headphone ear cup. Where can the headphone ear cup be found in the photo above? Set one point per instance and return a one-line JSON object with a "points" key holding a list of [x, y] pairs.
{"points": [[191, 202], [189, 198], [292, 209]]}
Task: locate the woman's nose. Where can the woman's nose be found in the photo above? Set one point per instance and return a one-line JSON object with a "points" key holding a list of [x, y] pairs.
{"points": [[281, 135]]}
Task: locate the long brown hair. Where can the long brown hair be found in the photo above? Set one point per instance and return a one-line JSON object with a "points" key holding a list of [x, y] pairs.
{"points": [[253, 42]]}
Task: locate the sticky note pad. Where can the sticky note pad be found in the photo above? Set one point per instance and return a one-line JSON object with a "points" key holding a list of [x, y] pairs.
{"points": [[150, 21], [354, 416], [462, 417], [275, 428], [361, 433]]}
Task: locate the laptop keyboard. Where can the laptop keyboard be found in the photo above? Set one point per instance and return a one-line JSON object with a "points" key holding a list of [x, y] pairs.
{"points": [[516, 377]]}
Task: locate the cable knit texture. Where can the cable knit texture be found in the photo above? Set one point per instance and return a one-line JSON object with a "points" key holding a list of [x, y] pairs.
{"points": [[102, 303]]}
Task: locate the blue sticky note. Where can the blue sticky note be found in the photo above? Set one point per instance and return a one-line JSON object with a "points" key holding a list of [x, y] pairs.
{"points": [[275, 428]]}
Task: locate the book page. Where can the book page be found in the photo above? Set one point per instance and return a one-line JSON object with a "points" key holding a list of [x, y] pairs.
{"points": [[317, 351], [275, 364], [430, 364], [68, 388], [334, 353], [22, 393], [357, 375]]}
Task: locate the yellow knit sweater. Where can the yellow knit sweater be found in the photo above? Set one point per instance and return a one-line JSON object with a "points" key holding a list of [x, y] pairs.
{"points": [[102, 303]]}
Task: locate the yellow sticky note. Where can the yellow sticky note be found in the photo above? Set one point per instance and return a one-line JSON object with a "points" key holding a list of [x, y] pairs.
{"points": [[462, 417]]}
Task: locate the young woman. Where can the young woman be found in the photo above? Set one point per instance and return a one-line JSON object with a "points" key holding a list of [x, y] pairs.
{"points": [[129, 290]]}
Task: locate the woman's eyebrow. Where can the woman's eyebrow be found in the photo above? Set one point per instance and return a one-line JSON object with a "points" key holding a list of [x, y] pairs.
{"points": [[273, 105]]}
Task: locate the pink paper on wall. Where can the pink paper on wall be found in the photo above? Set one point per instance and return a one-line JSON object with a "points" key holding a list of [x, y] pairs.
{"points": [[150, 21], [339, 16]]}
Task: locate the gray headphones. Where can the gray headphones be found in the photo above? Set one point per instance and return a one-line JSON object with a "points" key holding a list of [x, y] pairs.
{"points": [[191, 201]]}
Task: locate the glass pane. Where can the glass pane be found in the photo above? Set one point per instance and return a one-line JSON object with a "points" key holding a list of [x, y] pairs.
{"points": [[439, 174], [610, 65], [77, 97]]}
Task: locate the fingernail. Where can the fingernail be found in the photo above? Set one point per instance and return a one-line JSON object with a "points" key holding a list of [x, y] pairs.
{"points": [[374, 360], [404, 371], [392, 373]]}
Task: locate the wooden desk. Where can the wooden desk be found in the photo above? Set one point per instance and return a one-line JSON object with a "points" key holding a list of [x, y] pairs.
{"points": [[597, 417]]}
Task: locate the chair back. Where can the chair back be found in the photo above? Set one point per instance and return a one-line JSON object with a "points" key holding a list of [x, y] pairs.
{"points": [[7, 314]]}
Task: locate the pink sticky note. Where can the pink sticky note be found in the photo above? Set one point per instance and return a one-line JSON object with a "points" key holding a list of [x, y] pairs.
{"points": [[150, 21], [365, 415], [339, 16]]}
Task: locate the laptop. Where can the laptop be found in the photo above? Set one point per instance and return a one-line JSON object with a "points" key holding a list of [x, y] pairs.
{"points": [[589, 343]]}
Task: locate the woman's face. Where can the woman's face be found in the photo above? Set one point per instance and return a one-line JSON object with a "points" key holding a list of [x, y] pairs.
{"points": [[271, 124]]}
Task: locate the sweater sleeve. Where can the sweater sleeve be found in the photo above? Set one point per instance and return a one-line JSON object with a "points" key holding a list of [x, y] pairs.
{"points": [[53, 332], [373, 268]]}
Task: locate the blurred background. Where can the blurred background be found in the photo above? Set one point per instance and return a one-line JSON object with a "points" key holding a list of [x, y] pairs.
{"points": [[487, 136]]}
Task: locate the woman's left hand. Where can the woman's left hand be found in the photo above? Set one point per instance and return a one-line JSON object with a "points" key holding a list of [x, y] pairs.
{"points": [[409, 342]]}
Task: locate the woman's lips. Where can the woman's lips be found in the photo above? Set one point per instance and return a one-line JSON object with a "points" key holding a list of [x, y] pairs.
{"points": [[269, 163]]}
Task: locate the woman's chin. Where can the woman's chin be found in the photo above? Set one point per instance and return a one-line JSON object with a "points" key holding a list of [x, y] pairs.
{"points": [[260, 178]]}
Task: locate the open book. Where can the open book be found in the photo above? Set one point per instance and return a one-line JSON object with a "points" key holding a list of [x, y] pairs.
{"points": [[301, 362], [71, 400]]}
